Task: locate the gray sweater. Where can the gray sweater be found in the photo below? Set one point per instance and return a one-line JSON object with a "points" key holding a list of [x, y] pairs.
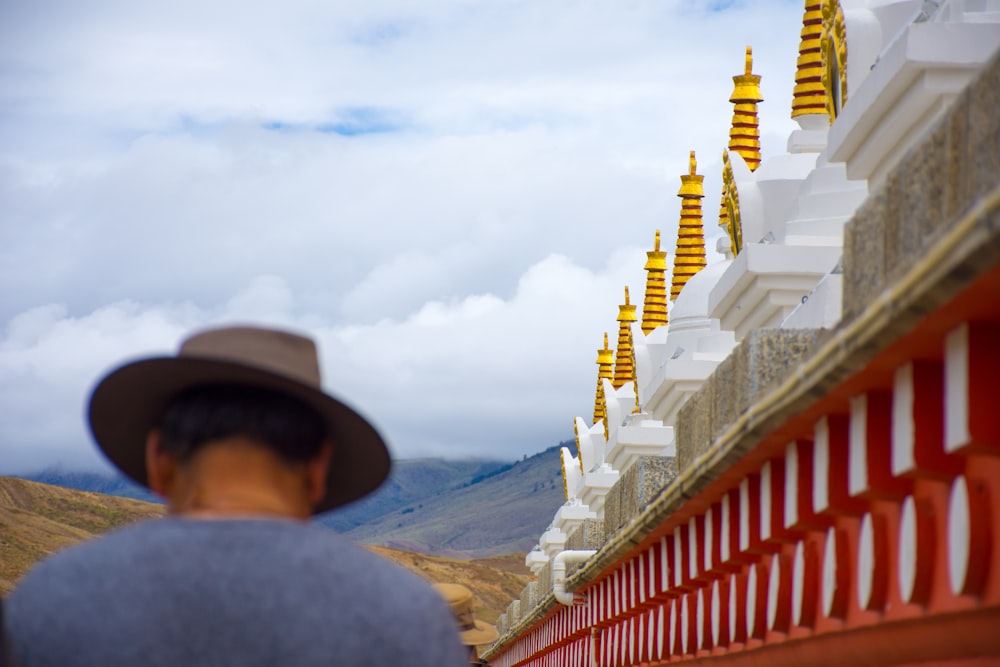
{"points": [[227, 592]]}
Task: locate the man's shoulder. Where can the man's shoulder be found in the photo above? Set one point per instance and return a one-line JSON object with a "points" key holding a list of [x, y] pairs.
{"points": [[187, 550]]}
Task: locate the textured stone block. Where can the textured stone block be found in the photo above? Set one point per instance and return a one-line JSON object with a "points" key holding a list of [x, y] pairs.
{"points": [[589, 535], [545, 580], [613, 508], [636, 488], [502, 626], [514, 612], [981, 102], [760, 361], [937, 182], [925, 187], [864, 255], [954, 172], [693, 423], [529, 597]]}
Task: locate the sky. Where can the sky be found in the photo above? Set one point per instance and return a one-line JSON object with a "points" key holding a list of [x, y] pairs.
{"points": [[449, 195]]}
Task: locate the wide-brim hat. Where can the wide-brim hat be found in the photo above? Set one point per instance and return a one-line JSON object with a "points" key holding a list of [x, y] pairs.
{"points": [[130, 400], [473, 631]]}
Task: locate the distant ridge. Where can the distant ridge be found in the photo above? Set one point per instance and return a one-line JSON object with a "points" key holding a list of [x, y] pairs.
{"points": [[499, 512], [409, 483], [459, 509], [108, 483]]}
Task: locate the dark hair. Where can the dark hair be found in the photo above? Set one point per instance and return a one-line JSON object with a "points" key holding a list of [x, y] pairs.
{"points": [[206, 413]]}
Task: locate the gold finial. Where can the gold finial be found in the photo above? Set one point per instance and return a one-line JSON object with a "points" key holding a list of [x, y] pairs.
{"points": [[654, 307], [689, 257], [833, 45], [723, 213], [579, 450], [730, 205], [744, 134], [605, 366], [624, 355], [746, 87], [692, 183]]}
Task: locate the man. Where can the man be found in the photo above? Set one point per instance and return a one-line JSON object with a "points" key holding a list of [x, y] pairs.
{"points": [[238, 437]]}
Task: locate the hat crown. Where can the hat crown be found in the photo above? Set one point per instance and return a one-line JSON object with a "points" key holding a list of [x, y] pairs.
{"points": [[458, 596], [280, 352]]}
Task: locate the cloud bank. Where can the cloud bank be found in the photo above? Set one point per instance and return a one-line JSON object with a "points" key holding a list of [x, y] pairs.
{"points": [[449, 197]]}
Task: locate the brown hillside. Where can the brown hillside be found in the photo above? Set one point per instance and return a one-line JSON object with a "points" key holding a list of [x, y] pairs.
{"points": [[39, 519], [495, 581]]}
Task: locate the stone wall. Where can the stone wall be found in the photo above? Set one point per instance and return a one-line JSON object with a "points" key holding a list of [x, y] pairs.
{"points": [[762, 359], [935, 185], [635, 489]]}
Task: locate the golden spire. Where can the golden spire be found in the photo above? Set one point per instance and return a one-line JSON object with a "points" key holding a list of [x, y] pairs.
{"points": [[654, 308], [624, 355], [689, 257], [744, 135], [809, 96], [605, 365]]}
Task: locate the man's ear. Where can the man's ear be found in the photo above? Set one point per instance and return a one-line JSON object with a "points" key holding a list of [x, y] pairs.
{"points": [[161, 468], [317, 469]]}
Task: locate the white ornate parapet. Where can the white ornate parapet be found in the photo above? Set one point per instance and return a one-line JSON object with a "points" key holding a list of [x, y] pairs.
{"points": [[913, 81], [535, 560], [598, 474], [596, 484], [776, 183], [821, 309], [620, 403], [811, 137], [640, 435], [552, 541], [679, 379], [766, 282], [650, 355], [826, 201], [592, 443], [571, 515], [572, 472], [695, 346]]}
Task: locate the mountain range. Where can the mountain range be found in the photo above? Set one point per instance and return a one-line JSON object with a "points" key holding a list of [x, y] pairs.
{"points": [[453, 508]]}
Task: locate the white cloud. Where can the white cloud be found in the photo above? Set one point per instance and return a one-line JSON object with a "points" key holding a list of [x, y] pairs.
{"points": [[449, 379], [459, 262]]}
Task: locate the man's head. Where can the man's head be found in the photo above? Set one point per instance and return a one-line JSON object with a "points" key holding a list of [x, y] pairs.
{"points": [[208, 413], [258, 385]]}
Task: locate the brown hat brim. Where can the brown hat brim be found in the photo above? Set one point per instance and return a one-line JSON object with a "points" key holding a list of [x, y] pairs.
{"points": [[130, 401], [483, 633]]}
